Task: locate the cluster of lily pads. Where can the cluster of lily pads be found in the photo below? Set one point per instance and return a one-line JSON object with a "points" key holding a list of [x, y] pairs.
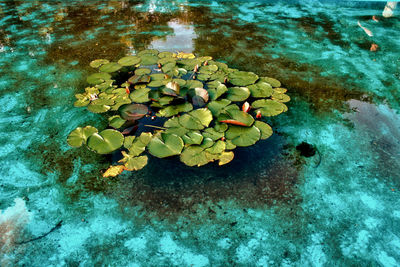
{"points": [[171, 104]]}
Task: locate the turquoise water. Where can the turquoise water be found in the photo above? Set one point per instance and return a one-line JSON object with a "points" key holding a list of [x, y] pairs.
{"points": [[270, 206]]}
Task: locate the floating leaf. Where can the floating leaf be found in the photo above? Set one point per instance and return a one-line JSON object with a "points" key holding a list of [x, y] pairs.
{"points": [[79, 136], [173, 86], [165, 145], [265, 129], [243, 136], [190, 122], [217, 106], [133, 111], [81, 102], [212, 134], [216, 89], [225, 157], [106, 141], [236, 117], [148, 59], [192, 138], [280, 97], [217, 148], [185, 55], [110, 67], [260, 89], [135, 79], [196, 156], [204, 115], [116, 121], [129, 61], [98, 62], [114, 171], [98, 78], [165, 54], [132, 163], [273, 82], [242, 78], [128, 141], [153, 52], [174, 110], [140, 96], [142, 71], [238, 93], [98, 108], [209, 69], [269, 107]]}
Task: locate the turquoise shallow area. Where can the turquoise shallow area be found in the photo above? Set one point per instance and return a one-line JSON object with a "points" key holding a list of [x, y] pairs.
{"points": [[270, 206]]}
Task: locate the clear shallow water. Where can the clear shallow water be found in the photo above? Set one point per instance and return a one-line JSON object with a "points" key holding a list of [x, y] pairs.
{"points": [[270, 206]]}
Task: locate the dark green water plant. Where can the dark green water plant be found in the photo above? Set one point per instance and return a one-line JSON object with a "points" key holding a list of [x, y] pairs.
{"points": [[175, 104]]}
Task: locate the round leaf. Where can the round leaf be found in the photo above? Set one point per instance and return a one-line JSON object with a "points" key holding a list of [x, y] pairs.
{"points": [[238, 93], [265, 129], [106, 141], [165, 145], [110, 67], [243, 136], [79, 136], [269, 107], [98, 78], [133, 111], [98, 62], [242, 78], [129, 61]]}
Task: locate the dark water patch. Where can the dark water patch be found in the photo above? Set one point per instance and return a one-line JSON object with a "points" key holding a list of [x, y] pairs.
{"points": [[259, 175]]}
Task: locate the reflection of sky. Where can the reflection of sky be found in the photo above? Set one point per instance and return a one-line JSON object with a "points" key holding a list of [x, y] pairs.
{"points": [[181, 40]]}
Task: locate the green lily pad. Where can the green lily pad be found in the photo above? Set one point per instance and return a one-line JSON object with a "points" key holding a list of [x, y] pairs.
{"points": [[165, 54], [225, 158], [217, 106], [216, 89], [229, 145], [204, 115], [129, 61], [165, 145], [283, 98], [212, 134], [209, 69], [132, 163], [98, 78], [116, 121], [236, 117], [174, 127], [98, 62], [217, 148], [142, 71], [79, 136], [148, 59], [140, 96], [153, 52], [169, 66], [265, 129], [190, 122], [81, 102], [273, 82], [174, 110], [196, 156], [106, 141], [110, 67], [98, 108], [269, 107], [243, 136], [135, 79], [260, 89], [192, 138], [238, 93], [133, 111], [242, 78]]}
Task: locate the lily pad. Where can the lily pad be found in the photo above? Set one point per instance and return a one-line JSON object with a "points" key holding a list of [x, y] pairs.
{"points": [[98, 108], [153, 52], [273, 82], [129, 61], [140, 96], [236, 117], [135, 79], [133, 111], [110, 67], [142, 71], [132, 163], [242, 78], [265, 129], [192, 138], [79, 136], [148, 59], [280, 97], [106, 141], [174, 110], [98, 78], [238, 93], [217, 106], [165, 54], [116, 121], [260, 89], [98, 62], [217, 148], [243, 136], [269, 107], [225, 157], [165, 145], [196, 156]]}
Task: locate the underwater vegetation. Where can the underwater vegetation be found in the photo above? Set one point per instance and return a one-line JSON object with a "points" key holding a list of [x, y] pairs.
{"points": [[175, 104]]}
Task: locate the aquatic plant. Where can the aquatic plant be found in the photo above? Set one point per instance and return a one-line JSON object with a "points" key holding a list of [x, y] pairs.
{"points": [[175, 104]]}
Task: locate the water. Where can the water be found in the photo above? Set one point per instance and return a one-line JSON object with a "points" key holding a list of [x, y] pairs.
{"points": [[270, 206]]}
